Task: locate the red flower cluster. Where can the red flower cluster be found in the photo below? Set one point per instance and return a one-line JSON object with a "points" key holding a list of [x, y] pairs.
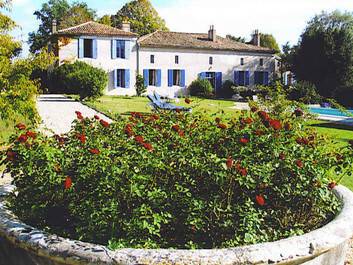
{"points": [[68, 183], [259, 132], [299, 163], [248, 120], [275, 124], [244, 140], [81, 137], [260, 200], [229, 162], [21, 126], [302, 141], [139, 139], [332, 185], [287, 126], [31, 134], [97, 117], [94, 151], [148, 146], [79, 115], [242, 170], [136, 115], [254, 109], [129, 130], [22, 138], [263, 115], [104, 123], [155, 117], [10, 155], [282, 156], [222, 126], [60, 139], [176, 127], [187, 101], [298, 112]]}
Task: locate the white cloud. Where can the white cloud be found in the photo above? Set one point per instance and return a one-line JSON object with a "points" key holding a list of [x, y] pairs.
{"points": [[284, 19]]}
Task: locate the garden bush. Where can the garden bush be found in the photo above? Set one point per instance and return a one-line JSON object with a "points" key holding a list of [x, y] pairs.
{"points": [[227, 90], [303, 91], [79, 78], [178, 180], [201, 88]]}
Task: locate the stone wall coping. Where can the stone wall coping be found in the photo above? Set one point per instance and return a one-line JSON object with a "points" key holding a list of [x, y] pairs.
{"points": [[293, 250]]}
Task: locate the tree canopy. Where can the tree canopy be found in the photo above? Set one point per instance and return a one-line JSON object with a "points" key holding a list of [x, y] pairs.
{"points": [[269, 41], [143, 17], [233, 38], [66, 15], [324, 55]]}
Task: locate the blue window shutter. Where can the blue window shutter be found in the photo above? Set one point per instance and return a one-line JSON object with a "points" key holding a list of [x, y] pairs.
{"points": [[113, 47], [182, 78], [247, 78], [170, 78], [127, 49], [218, 80], [146, 77], [202, 75], [127, 78], [236, 78], [266, 78], [122, 47], [115, 73], [94, 47], [80, 48], [159, 78]]}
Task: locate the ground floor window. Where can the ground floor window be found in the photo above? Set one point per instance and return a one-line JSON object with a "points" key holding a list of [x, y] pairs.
{"points": [[152, 77], [152, 74], [122, 78], [242, 78], [211, 76], [176, 77], [261, 78]]}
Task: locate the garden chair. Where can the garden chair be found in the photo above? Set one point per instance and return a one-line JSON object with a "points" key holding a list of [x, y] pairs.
{"points": [[158, 104]]}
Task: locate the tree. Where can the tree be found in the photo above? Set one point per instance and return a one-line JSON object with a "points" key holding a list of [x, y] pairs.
{"points": [[106, 20], [269, 41], [65, 14], [142, 16], [324, 56], [233, 38]]}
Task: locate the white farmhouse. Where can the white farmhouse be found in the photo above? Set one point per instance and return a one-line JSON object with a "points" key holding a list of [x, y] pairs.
{"points": [[168, 61]]}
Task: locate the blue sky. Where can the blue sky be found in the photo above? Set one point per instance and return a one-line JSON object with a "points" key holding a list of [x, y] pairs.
{"points": [[285, 19]]}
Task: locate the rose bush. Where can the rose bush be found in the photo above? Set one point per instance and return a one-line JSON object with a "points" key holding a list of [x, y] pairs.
{"points": [[177, 180]]}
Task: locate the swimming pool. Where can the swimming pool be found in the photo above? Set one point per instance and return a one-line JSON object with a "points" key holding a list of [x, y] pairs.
{"points": [[329, 111]]}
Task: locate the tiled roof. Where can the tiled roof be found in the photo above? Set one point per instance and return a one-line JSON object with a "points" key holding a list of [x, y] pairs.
{"points": [[164, 39], [92, 28]]}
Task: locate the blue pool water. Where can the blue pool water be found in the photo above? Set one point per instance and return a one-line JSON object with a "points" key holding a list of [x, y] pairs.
{"points": [[329, 111]]}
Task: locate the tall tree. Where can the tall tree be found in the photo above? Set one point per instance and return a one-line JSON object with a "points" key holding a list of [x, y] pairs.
{"points": [[106, 20], [233, 38], [65, 14], [269, 41], [143, 17], [324, 55]]}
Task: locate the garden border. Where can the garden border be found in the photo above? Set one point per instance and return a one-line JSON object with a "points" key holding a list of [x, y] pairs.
{"points": [[326, 245]]}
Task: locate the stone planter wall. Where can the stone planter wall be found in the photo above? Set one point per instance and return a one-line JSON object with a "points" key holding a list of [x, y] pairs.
{"points": [[21, 244]]}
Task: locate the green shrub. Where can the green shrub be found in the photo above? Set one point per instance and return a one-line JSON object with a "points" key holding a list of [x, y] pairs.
{"points": [[304, 91], [201, 88], [140, 85], [178, 180], [243, 91], [79, 78], [227, 90]]}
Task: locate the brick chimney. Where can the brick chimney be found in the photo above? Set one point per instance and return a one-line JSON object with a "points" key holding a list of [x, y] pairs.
{"points": [[256, 37], [212, 34], [54, 27], [126, 26]]}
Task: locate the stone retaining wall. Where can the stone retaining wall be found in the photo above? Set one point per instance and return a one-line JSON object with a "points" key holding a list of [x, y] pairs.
{"points": [[21, 244]]}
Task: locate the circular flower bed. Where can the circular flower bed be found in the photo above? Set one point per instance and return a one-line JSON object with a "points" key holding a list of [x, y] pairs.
{"points": [[177, 180]]}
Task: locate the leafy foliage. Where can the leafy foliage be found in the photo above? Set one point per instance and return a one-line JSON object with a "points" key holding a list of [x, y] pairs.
{"points": [[305, 92], [269, 41], [140, 85], [227, 90], [79, 78], [178, 180], [66, 16], [324, 56], [143, 17], [201, 88], [233, 38]]}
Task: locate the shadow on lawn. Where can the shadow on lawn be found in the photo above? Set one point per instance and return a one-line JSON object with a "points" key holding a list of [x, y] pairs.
{"points": [[333, 126]]}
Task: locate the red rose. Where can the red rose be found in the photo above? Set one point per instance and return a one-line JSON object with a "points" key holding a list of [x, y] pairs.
{"points": [[21, 126], [10, 155], [229, 162], [32, 135], [97, 117], [299, 163], [181, 133], [282, 156], [298, 112], [148, 146], [243, 171], [222, 126], [259, 132], [187, 101], [136, 114], [104, 123], [68, 183], [254, 109], [260, 200], [176, 127], [81, 137], [302, 141], [79, 115], [218, 120], [275, 124], [332, 185], [263, 115], [139, 139], [287, 126], [94, 151], [128, 130], [155, 117], [178, 110], [244, 140], [22, 138], [246, 121]]}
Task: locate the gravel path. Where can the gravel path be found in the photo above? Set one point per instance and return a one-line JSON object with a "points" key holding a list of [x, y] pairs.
{"points": [[58, 112]]}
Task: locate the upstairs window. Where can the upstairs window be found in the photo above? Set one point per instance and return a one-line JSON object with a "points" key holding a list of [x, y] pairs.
{"points": [[241, 61], [176, 59], [88, 48], [152, 58], [120, 49], [261, 62], [210, 60]]}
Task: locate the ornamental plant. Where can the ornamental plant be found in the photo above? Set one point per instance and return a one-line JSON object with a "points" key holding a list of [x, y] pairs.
{"points": [[178, 180]]}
